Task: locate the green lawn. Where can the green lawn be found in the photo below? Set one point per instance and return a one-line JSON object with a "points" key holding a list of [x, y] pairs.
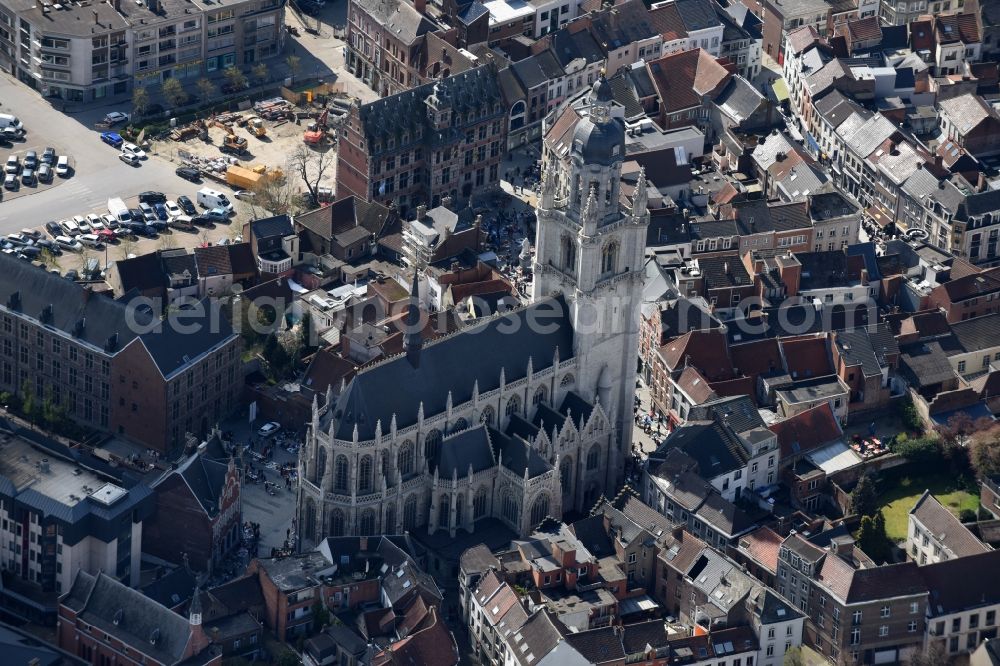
{"points": [[899, 494]]}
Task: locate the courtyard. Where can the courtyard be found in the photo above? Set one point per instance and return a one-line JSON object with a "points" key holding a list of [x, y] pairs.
{"points": [[900, 490]]}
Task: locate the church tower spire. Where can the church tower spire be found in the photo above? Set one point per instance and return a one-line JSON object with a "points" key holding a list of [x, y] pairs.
{"points": [[413, 339]]}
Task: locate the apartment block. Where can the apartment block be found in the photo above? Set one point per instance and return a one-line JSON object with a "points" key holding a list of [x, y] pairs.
{"points": [[85, 51]]}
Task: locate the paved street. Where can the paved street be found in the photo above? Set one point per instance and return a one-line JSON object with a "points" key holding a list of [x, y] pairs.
{"points": [[99, 173]]}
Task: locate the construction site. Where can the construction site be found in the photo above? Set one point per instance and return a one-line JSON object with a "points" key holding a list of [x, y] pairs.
{"points": [[240, 149]]}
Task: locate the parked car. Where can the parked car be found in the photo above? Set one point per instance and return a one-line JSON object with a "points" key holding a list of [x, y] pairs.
{"points": [[128, 159], [82, 224], [28, 177], [95, 222], [69, 227], [49, 245], [109, 221], [203, 221], [13, 165], [53, 228], [31, 160], [45, 173], [268, 429], [91, 240], [187, 173], [161, 211], [173, 210], [72, 274], [187, 205], [62, 166], [147, 211], [33, 234], [217, 215], [137, 216], [244, 195], [132, 149], [112, 139], [67, 243], [152, 197], [10, 181], [49, 156], [115, 118], [29, 253], [12, 133]]}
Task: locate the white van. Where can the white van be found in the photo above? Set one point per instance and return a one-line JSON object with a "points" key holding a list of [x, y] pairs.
{"points": [[119, 210], [209, 198], [8, 120]]}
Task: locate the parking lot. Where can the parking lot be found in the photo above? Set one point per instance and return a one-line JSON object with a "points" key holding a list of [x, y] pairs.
{"points": [[20, 148]]}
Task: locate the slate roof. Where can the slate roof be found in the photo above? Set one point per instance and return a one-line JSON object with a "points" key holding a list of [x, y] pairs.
{"points": [[269, 227], [399, 18], [715, 448], [597, 645], [957, 585], [207, 481], [454, 363], [142, 272], [643, 636], [102, 322], [978, 333], [697, 14], [738, 412], [926, 363], [465, 449], [390, 117], [765, 154], [142, 623], [538, 636], [622, 25], [516, 455], [344, 215], [946, 527], [723, 272], [869, 136], [966, 111], [856, 349], [739, 99]]}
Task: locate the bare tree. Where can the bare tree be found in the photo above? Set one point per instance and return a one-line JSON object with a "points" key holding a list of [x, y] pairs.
{"points": [[140, 100], [126, 247], [311, 166], [166, 242], [173, 91], [49, 260], [934, 655], [274, 194]]}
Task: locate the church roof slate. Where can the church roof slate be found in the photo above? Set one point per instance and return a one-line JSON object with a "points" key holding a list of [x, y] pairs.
{"points": [[459, 451], [455, 364]]}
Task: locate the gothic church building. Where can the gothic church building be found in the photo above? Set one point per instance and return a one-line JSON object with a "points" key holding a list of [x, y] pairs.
{"points": [[518, 417]]}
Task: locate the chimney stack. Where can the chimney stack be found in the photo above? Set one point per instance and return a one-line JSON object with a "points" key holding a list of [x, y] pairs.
{"points": [[421, 211], [420, 6]]}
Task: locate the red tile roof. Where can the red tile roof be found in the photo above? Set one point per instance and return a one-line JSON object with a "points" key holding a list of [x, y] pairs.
{"points": [[705, 350], [762, 545], [695, 385], [806, 356], [433, 646], [801, 38], [667, 21], [682, 79], [807, 431], [757, 358]]}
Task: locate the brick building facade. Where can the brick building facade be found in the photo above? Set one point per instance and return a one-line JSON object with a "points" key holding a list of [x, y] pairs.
{"points": [[437, 140]]}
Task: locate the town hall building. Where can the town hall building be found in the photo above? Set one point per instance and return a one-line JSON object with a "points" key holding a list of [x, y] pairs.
{"points": [[521, 416]]}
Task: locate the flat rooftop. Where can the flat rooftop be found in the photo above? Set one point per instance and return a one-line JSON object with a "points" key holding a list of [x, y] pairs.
{"points": [[505, 11], [812, 389], [28, 467]]}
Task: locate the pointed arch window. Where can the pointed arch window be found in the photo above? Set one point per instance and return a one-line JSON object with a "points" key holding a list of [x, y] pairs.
{"points": [[444, 512], [593, 457], [365, 475], [568, 253], [410, 513], [609, 259], [513, 406], [341, 474], [539, 509], [487, 416], [337, 523], [405, 459], [479, 503]]}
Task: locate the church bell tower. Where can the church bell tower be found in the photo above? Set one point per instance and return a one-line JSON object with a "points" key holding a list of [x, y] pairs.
{"points": [[591, 248]]}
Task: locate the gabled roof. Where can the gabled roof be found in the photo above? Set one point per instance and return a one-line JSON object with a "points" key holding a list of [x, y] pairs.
{"points": [[959, 584], [801, 38], [807, 431], [455, 363], [129, 616], [712, 445], [972, 286], [207, 481], [598, 646], [667, 21], [705, 350], [683, 78], [806, 356], [762, 545], [468, 449], [278, 226], [946, 527]]}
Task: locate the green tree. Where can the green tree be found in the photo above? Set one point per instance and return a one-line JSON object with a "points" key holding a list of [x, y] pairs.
{"points": [[919, 450], [873, 540], [294, 65], [260, 73], [206, 89], [236, 79], [321, 616], [909, 415], [306, 331], [864, 497], [276, 356], [173, 91], [29, 404], [49, 260], [140, 100], [288, 658]]}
